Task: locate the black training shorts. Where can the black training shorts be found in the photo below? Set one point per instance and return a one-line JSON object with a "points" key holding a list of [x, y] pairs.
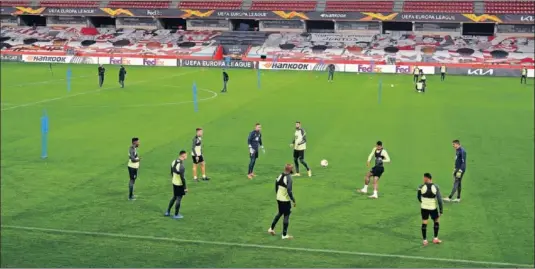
{"points": [[377, 171], [426, 213], [178, 190], [285, 207], [132, 172], [199, 160], [299, 154]]}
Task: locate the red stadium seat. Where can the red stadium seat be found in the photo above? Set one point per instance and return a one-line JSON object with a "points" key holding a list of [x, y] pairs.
{"points": [[15, 3], [363, 6], [224, 5], [45, 3], [439, 6], [501, 7], [284, 5], [139, 4]]}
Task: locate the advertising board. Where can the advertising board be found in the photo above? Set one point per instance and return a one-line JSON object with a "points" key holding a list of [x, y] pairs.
{"points": [[268, 65], [10, 58], [217, 64], [46, 59], [485, 72]]}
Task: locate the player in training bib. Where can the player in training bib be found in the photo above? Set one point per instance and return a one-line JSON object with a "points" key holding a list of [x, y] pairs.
{"points": [[431, 205], [133, 166], [299, 145], [381, 157], [197, 155]]}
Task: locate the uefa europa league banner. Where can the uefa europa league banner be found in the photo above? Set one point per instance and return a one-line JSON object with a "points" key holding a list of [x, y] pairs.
{"points": [[270, 15]]}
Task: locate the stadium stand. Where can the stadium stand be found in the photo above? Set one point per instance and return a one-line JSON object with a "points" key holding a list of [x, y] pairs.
{"points": [[242, 38], [417, 47], [284, 5], [439, 6], [138, 4], [445, 48], [63, 4], [110, 41], [504, 7], [223, 5], [365, 6], [12, 3]]}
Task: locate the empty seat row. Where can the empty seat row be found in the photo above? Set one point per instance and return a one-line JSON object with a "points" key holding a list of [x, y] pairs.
{"points": [[510, 7], [365, 6], [229, 5], [439, 6], [284, 5], [69, 3], [139, 4]]}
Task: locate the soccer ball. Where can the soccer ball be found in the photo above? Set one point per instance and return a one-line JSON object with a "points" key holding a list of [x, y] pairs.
{"points": [[324, 163], [392, 85]]}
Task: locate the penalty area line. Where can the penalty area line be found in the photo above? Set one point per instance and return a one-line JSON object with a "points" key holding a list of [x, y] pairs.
{"points": [[243, 245]]}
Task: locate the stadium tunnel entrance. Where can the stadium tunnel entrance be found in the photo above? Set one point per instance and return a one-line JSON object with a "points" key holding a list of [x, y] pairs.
{"points": [[320, 26], [32, 20], [102, 22], [479, 29], [245, 25], [174, 23]]}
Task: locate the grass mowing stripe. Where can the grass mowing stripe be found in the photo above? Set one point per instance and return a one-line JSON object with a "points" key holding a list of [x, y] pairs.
{"points": [[232, 244]]}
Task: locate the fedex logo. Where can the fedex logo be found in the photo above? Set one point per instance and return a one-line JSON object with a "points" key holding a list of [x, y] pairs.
{"points": [[153, 62], [365, 68], [403, 69], [119, 60]]}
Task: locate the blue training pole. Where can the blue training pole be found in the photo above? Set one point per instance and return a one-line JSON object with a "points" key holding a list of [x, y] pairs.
{"points": [[380, 91], [69, 76], [195, 101], [44, 136], [227, 61], [258, 78]]}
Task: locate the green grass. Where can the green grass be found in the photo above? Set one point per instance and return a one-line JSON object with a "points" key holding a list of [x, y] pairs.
{"points": [[82, 186]]}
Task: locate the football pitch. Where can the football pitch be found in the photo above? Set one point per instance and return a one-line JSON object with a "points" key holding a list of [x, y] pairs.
{"points": [[71, 210]]}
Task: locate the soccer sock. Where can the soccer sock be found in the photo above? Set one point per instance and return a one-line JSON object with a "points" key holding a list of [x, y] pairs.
{"points": [[454, 189], [435, 229], [296, 163], [304, 163], [459, 190], [275, 220], [171, 204], [285, 224], [177, 206], [131, 189], [424, 231], [251, 165]]}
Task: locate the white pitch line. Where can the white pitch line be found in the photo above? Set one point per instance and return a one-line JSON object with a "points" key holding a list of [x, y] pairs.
{"points": [[214, 95], [231, 244], [83, 93], [42, 82]]}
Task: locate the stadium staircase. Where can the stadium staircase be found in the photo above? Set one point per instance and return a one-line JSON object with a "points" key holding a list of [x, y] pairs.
{"points": [[104, 3], [479, 7], [246, 4], [320, 7], [34, 3], [174, 4], [398, 6]]}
